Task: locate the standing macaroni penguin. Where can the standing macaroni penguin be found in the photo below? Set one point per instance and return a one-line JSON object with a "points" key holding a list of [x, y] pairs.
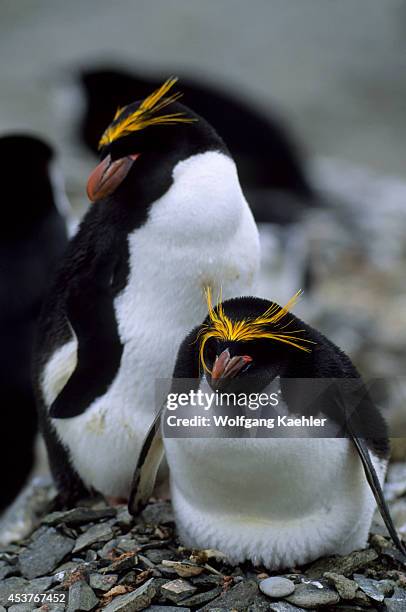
{"points": [[296, 494], [33, 237], [168, 218]]}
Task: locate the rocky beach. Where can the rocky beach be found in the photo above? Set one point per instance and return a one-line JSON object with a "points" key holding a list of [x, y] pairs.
{"points": [[98, 557]]}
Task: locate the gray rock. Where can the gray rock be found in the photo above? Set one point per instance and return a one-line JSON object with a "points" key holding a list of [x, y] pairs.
{"points": [[65, 569], [146, 562], [386, 587], [311, 596], [105, 551], [44, 553], [167, 571], [7, 570], [397, 603], [120, 565], [201, 598], [10, 559], [78, 516], [206, 580], [238, 598], [126, 544], [25, 607], [277, 606], [124, 519], [2, 609], [81, 597], [394, 605], [158, 583], [350, 607], [134, 601], [158, 514], [178, 589], [261, 604], [395, 555], [380, 543], [345, 587], [9, 552], [40, 585], [12, 586], [369, 587], [184, 569], [157, 555], [102, 583], [219, 609], [276, 587], [342, 565], [98, 533], [129, 579], [361, 599], [165, 609], [22, 516], [91, 555]]}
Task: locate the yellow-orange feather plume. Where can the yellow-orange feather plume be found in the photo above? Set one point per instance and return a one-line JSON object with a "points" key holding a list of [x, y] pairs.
{"points": [[266, 325], [145, 115]]}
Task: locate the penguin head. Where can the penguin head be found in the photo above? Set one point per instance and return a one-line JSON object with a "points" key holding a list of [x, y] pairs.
{"points": [[145, 141], [244, 343], [26, 164]]}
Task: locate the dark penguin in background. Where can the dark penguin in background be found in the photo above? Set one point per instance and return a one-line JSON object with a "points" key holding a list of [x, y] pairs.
{"points": [[297, 494], [266, 155], [32, 239], [168, 217]]}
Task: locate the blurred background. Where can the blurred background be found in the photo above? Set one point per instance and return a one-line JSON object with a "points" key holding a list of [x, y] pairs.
{"points": [[333, 73], [334, 69]]}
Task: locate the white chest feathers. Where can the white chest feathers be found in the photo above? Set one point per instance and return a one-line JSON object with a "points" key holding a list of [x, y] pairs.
{"points": [[273, 501], [199, 233]]}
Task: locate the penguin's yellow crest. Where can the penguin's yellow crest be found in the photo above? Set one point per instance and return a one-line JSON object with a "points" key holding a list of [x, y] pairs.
{"points": [[266, 325], [145, 115]]}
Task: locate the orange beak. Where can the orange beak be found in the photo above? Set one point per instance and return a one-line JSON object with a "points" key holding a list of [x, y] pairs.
{"points": [[107, 176], [228, 367]]}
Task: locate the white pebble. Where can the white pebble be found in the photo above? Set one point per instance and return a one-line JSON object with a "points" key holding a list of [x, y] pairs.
{"points": [[277, 586]]}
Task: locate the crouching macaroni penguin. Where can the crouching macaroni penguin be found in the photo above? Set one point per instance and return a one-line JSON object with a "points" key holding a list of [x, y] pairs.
{"points": [[168, 217], [283, 499]]}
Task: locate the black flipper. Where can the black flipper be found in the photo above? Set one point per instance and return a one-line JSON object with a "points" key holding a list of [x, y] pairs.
{"points": [[90, 311], [148, 463], [376, 489], [355, 425]]}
